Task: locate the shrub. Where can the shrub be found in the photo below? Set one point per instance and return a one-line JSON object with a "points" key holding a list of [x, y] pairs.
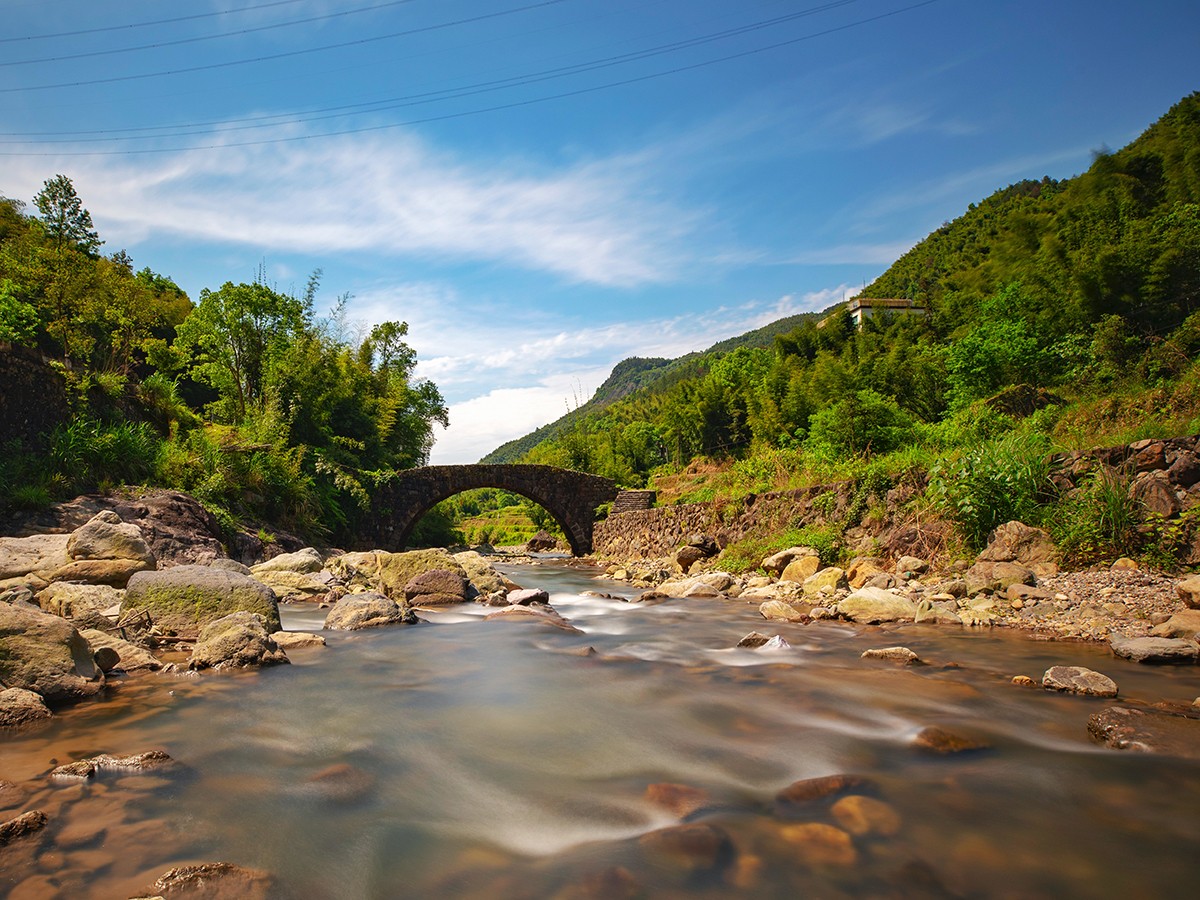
{"points": [[993, 483], [864, 422], [86, 454], [1098, 522]]}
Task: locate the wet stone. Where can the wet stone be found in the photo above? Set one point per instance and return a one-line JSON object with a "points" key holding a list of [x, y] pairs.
{"points": [[342, 783], [25, 824], [680, 800], [809, 790], [1156, 651], [214, 881], [894, 654], [1079, 680], [1148, 731], [940, 741], [615, 883]]}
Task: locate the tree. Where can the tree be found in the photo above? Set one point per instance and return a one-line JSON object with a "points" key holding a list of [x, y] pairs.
{"points": [[64, 217], [234, 336]]}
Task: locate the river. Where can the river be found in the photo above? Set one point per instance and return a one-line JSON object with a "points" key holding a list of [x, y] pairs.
{"points": [[467, 758]]}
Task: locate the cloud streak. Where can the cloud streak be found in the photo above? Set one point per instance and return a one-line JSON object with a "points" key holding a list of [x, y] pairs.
{"points": [[595, 221]]}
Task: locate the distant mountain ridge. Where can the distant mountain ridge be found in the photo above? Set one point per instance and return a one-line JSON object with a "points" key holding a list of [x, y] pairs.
{"points": [[635, 372]]}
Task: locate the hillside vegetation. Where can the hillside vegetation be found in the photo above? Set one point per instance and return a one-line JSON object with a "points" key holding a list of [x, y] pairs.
{"points": [[1060, 314], [247, 399]]}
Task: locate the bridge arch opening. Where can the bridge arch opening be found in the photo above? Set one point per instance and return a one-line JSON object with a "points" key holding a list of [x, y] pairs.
{"points": [[570, 498]]}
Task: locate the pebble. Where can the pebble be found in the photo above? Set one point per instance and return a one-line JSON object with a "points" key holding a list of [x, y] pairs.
{"points": [[939, 740]]}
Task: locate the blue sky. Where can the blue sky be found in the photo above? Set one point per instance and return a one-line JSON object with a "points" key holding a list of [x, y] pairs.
{"points": [[541, 189]]}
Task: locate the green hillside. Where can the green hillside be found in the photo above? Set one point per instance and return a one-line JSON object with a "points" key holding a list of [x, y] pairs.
{"points": [[635, 374], [1059, 313]]}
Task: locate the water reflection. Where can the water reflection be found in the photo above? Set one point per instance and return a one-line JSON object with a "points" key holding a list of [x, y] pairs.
{"points": [[469, 758]]}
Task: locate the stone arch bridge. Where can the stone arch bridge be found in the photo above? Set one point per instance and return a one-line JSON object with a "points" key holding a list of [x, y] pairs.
{"points": [[569, 497]]}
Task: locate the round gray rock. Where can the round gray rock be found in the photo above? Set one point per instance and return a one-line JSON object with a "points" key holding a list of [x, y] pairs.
{"points": [[237, 640], [45, 654]]}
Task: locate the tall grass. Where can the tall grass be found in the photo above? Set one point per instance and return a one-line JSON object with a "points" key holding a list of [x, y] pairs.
{"points": [[86, 454], [997, 481]]}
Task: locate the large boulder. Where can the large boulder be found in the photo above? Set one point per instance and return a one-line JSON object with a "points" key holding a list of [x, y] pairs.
{"points": [[237, 640], [872, 605], [1183, 624], [83, 604], [1189, 592], [986, 575], [1016, 542], [45, 654], [439, 587], [388, 573], [20, 556], [291, 586], [799, 568], [105, 536], [826, 581], [307, 561], [482, 573], [186, 598], [369, 610], [541, 542]]}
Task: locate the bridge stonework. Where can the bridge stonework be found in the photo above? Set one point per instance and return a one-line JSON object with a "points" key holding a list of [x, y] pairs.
{"points": [[570, 497]]}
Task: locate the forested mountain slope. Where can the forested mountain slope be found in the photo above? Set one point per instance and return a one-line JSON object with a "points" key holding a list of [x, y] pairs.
{"points": [[1087, 287]]}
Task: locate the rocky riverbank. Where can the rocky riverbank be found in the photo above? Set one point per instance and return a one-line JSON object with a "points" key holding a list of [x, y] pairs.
{"points": [[1014, 584]]}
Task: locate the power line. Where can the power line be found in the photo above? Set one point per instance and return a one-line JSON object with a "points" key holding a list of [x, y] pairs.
{"points": [[516, 104], [267, 121], [206, 37], [106, 28], [290, 53]]}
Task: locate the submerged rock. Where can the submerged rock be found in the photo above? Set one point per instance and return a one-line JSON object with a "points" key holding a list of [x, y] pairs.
{"points": [[214, 881], [938, 740], [697, 847], [291, 640], [541, 614], [1146, 730], [808, 790], [818, 844], [862, 815], [678, 799]]}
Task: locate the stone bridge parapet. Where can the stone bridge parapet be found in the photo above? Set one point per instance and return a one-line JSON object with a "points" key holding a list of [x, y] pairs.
{"points": [[570, 497]]}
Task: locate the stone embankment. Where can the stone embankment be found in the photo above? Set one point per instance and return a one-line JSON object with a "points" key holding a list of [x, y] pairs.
{"points": [[1163, 476]]}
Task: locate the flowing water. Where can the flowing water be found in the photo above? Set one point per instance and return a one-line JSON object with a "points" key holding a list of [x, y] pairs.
{"points": [[463, 758]]}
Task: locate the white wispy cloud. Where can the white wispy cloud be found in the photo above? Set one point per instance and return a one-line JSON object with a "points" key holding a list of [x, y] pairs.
{"points": [[596, 221], [504, 381]]}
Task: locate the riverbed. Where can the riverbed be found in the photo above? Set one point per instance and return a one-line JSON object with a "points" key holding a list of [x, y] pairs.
{"points": [[467, 758]]}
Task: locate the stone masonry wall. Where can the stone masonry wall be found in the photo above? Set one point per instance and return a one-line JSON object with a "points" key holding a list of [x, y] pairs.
{"points": [[1164, 476], [32, 397]]}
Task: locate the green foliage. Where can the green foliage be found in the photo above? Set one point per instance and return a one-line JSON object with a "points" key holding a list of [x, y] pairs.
{"points": [[865, 422], [747, 554], [18, 319], [990, 484], [1098, 522], [86, 454]]}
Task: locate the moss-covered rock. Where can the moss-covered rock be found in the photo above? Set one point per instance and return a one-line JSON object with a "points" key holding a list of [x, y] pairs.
{"points": [[388, 573], [482, 573], [186, 598], [370, 610]]}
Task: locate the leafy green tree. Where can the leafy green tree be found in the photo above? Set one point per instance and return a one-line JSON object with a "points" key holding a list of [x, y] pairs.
{"points": [[66, 220], [232, 339], [864, 422]]}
